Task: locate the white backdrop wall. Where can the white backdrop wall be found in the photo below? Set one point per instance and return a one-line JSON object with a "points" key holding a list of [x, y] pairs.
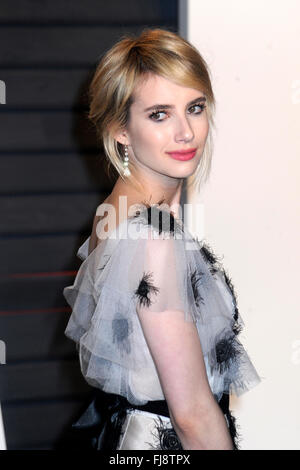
{"points": [[251, 202]]}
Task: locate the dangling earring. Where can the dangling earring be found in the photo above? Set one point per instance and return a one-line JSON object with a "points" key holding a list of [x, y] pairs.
{"points": [[126, 171]]}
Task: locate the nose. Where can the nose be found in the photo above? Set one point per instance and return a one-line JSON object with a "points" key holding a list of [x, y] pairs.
{"points": [[184, 131]]}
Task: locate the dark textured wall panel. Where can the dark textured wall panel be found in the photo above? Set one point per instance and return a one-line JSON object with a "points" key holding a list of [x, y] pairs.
{"points": [[58, 45], [39, 424], [50, 172], [47, 130], [34, 336], [61, 379], [40, 254], [51, 89], [48, 213], [90, 11], [53, 175], [33, 291]]}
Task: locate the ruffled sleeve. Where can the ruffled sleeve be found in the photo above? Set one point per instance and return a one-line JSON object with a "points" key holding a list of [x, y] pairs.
{"points": [[153, 264], [104, 324]]}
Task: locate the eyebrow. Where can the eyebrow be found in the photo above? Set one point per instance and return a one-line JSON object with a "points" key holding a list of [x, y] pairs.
{"points": [[170, 106]]}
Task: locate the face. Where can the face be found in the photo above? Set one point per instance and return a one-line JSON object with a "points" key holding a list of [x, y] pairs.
{"points": [[166, 118]]}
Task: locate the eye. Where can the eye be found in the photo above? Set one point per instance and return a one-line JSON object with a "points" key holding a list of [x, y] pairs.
{"points": [[196, 107], [155, 115]]}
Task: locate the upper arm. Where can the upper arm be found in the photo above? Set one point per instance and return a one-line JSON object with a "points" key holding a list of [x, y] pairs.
{"points": [[176, 350], [173, 341]]}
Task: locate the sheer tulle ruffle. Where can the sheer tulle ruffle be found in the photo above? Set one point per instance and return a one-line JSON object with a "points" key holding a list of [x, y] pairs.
{"points": [[153, 263]]}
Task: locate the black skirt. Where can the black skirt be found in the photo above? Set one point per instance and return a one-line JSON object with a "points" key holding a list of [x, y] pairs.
{"points": [[100, 426]]}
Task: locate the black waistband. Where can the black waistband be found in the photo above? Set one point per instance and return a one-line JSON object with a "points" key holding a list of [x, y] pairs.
{"points": [[100, 425], [154, 406], [160, 406]]}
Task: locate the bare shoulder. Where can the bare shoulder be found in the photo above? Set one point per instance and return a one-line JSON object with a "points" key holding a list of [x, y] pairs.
{"points": [[103, 223]]}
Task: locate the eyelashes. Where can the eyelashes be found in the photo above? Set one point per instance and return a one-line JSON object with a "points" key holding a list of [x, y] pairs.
{"points": [[157, 112]]}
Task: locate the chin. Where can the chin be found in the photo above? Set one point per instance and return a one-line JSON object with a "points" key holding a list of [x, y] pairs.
{"points": [[180, 176], [185, 172]]}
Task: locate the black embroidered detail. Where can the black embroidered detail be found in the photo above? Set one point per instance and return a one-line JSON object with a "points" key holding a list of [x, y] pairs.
{"points": [[121, 330], [162, 220], [210, 258], [208, 254], [216, 265], [237, 327], [234, 297], [195, 278], [166, 437], [232, 426], [228, 349], [145, 289]]}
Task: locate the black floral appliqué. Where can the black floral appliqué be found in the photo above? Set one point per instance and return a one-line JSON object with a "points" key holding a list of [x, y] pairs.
{"points": [[228, 349], [210, 257], [145, 289], [216, 265], [237, 327], [160, 218], [121, 330], [195, 278], [166, 437]]}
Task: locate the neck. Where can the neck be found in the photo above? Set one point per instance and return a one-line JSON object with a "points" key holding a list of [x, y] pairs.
{"points": [[150, 192]]}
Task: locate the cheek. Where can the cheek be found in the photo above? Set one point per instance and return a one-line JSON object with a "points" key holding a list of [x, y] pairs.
{"points": [[151, 136], [201, 130], [205, 128]]}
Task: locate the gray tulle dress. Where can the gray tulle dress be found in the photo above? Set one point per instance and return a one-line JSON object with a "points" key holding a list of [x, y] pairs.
{"points": [[150, 261]]}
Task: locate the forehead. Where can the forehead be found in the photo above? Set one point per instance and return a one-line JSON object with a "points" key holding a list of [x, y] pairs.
{"points": [[156, 89]]}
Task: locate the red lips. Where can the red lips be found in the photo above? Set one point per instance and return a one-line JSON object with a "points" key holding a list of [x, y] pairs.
{"points": [[182, 152], [183, 155]]}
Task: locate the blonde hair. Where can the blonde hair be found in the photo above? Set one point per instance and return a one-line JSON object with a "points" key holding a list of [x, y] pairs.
{"points": [[118, 73]]}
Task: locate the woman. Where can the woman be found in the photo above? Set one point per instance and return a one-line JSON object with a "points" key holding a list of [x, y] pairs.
{"points": [[154, 313]]}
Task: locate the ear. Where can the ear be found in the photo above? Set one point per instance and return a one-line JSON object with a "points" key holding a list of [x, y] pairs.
{"points": [[121, 136]]}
